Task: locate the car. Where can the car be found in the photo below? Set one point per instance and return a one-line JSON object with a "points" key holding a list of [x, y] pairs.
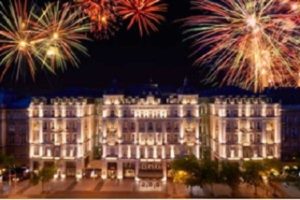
{"points": [[16, 173]]}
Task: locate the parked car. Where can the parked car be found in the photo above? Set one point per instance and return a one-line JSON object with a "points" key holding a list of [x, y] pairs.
{"points": [[16, 173]]}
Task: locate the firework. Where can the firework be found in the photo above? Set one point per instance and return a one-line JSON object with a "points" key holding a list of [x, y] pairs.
{"points": [[253, 44], [63, 30], [102, 15], [18, 42], [146, 14]]}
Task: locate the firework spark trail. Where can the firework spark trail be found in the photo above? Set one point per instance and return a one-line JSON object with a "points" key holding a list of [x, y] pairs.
{"points": [[33, 41], [18, 42], [146, 14], [64, 29], [254, 43], [102, 15]]}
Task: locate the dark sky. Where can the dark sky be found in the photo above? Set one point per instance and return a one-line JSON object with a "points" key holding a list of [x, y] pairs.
{"points": [[129, 58]]}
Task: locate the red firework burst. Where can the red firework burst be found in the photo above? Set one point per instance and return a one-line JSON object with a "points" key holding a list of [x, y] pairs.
{"points": [[102, 15], [147, 14]]}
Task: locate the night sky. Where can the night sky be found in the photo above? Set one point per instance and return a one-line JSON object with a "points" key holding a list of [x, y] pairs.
{"points": [[161, 56]]}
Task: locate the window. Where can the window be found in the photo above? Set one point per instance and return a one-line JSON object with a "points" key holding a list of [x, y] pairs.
{"points": [[112, 113], [57, 152], [150, 127], [158, 127], [189, 113], [36, 151], [141, 127], [270, 151], [270, 112], [132, 127]]}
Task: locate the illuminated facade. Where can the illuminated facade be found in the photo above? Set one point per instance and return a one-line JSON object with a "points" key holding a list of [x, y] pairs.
{"points": [[245, 128], [142, 135], [61, 132], [137, 135]]}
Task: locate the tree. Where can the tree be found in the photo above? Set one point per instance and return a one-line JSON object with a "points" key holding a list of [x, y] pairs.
{"points": [[230, 174], [186, 163], [190, 171], [7, 161], [43, 176], [209, 173], [252, 173], [187, 170], [272, 167]]}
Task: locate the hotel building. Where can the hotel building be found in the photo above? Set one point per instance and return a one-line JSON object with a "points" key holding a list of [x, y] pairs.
{"points": [[61, 131], [143, 134], [137, 135], [245, 128]]}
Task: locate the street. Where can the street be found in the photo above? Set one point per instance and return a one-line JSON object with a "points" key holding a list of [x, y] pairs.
{"points": [[97, 188]]}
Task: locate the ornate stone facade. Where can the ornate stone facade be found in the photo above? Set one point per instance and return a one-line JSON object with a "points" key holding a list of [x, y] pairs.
{"points": [[141, 136], [61, 131], [245, 128]]}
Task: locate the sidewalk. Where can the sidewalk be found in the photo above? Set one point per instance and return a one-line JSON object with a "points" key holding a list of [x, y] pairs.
{"points": [[290, 190], [118, 186], [177, 190], [86, 185]]}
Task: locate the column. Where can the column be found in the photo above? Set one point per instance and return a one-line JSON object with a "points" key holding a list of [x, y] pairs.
{"points": [[264, 132], [181, 133], [165, 135], [104, 130], [240, 151], [119, 130], [63, 150], [223, 131], [41, 131], [172, 152], [136, 133], [79, 168], [197, 131], [197, 150], [277, 130], [163, 152], [264, 150], [104, 151], [120, 152], [137, 166], [154, 152], [63, 170], [146, 151], [222, 148], [41, 151], [138, 155], [128, 151], [120, 170], [104, 169], [165, 138], [164, 170]]}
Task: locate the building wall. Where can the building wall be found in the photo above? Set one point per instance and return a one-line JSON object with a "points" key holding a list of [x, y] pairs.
{"points": [[137, 135], [61, 134], [290, 121], [17, 135], [2, 129], [245, 128], [145, 134], [204, 128]]}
